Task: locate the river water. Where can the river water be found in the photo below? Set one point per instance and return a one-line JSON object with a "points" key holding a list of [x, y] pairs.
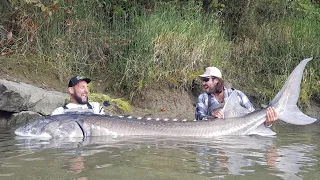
{"points": [[292, 154]]}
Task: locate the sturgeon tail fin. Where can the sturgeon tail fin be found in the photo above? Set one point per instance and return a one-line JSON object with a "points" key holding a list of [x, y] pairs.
{"points": [[285, 101]]}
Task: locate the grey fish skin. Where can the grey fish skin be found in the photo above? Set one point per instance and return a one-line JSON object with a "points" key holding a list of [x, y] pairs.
{"points": [[97, 126], [85, 125], [80, 125]]}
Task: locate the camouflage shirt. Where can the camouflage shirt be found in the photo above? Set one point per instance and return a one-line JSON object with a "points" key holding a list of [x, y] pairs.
{"points": [[208, 101]]}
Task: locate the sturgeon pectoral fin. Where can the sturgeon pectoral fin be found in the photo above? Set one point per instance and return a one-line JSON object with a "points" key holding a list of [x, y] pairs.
{"points": [[262, 131]]}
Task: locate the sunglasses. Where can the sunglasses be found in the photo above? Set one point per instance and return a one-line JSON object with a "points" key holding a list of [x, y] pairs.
{"points": [[206, 79]]}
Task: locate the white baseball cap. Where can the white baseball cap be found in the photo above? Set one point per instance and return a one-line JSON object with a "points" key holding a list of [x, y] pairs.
{"points": [[212, 71]]}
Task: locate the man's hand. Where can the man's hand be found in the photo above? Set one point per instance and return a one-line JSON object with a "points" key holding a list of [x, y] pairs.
{"points": [[218, 114], [271, 116]]}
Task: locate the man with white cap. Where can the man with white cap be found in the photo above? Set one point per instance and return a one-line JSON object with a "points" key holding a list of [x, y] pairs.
{"points": [[78, 89], [210, 102]]}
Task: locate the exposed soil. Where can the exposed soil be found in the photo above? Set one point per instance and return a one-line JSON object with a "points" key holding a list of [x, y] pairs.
{"points": [[165, 103]]}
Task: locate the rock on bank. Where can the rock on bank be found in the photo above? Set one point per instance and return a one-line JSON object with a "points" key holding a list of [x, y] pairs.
{"points": [[16, 98]]}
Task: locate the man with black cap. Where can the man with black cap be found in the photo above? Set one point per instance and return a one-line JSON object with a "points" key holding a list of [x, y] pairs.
{"points": [[78, 89]]}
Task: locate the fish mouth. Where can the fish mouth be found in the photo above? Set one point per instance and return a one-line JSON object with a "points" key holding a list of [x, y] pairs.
{"points": [[32, 129], [24, 132]]}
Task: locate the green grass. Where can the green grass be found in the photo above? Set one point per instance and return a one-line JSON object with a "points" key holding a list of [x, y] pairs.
{"points": [[132, 46], [271, 57], [169, 46]]}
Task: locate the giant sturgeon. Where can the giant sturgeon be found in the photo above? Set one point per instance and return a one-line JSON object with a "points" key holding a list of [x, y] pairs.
{"points": [[85, 125]]}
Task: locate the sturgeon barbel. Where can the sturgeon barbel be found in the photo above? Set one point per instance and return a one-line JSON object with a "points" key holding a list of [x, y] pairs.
{"points": [[85, 125]]}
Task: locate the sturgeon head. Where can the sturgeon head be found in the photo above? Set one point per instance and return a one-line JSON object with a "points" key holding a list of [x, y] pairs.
{"points": [[53, 126]]}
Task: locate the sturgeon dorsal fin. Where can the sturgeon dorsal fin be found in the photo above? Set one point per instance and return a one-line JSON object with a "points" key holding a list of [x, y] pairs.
{"points": [[232, 108]]}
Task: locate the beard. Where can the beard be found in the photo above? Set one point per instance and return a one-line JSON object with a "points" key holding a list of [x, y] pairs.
{"points": [[80, 101]]}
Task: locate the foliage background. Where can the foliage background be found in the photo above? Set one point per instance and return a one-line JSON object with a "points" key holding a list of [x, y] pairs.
{"points": [[129, 46]]}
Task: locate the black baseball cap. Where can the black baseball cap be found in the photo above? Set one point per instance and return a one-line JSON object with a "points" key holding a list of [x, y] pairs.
{"points": [[74, 80]]}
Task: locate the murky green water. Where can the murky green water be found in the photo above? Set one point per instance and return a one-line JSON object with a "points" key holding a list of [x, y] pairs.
{"points": [[292, 154]]}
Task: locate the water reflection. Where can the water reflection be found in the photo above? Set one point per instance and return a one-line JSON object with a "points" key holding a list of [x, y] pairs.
{"points": [[235, 155], [218, 157], [76, 166], [293, 159]]}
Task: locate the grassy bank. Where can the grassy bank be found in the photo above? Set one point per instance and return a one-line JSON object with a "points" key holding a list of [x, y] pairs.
{"points": [[263, 59], [132, 45]]}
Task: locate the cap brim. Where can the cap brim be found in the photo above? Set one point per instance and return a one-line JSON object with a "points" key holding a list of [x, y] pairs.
{"points": [[86, 80], [204, 75]]}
